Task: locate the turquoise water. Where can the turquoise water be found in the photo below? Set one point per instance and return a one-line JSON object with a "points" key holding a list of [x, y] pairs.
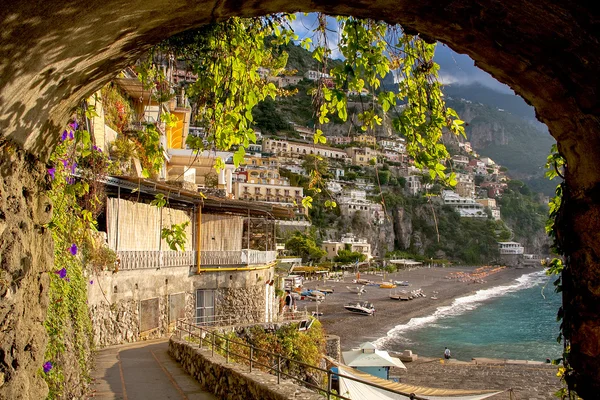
{"points": [[516, 321]]}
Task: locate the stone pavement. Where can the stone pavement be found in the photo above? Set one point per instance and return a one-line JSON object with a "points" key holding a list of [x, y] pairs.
{"points": [[145, 371]]}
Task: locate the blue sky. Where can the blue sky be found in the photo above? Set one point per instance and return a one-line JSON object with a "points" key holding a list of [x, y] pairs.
{"points": [[458, 69]]}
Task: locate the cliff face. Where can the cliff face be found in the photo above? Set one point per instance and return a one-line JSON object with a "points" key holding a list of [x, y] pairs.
{"points": [[380, 236], [402, 227]]}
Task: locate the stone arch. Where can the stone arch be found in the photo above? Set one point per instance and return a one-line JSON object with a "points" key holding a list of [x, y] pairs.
{"points": [[57, 52]]}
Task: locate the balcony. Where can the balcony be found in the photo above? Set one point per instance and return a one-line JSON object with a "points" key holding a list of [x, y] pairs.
{"points": [[241, 257], [148, 259]]}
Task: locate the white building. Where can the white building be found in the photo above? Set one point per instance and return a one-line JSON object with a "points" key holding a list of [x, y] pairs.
{"points": [[459, 160], [510, 248], [354, 201], [413, 184], [334, 187], [298, 149], [359, 245], [465, 207], [393, 144], [315, 75], [488, 161]]}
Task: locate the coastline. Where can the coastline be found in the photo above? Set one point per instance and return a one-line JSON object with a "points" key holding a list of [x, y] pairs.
{"points": [[356, 329]]}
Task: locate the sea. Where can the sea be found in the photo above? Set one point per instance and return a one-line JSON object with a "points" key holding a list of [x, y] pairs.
{"points": [[513, 321]]}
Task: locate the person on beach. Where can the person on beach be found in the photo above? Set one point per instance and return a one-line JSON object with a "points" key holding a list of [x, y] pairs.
{"points": [[447, 353]]}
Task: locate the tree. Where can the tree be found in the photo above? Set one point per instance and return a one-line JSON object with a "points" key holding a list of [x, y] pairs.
{"points": [[384, 177], [266, 117], [346, 255], [304, 246]]}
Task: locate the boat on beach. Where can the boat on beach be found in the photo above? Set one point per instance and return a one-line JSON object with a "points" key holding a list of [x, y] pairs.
{"points": [[387, 285], [364, 308], [356, 289], [401, 283]]}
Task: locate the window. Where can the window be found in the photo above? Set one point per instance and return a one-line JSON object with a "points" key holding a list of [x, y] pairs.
{"points": [[297, 193], [205, 306], [256, 190]]}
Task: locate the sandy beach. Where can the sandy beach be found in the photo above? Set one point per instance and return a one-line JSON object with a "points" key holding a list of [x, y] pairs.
{"points": [[528, 381], [355, 329]]}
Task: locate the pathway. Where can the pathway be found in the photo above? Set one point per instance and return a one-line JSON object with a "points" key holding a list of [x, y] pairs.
{"points": [[145, 371]]}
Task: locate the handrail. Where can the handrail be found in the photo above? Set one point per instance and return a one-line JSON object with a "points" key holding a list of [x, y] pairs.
{"points": [[181, 325]]}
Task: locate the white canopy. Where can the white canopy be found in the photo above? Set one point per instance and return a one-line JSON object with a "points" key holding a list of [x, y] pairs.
{"points": [[368, 356]]}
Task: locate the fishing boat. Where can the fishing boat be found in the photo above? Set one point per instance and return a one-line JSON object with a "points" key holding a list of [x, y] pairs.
{"points": [[387, 285], [314, 295], [364, 308], [326, 290], [394, 295], [356, 289], [402, 283]]}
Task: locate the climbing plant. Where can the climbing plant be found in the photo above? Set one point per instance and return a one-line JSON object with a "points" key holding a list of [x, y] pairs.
{"points": [[555, 168], [74, 174]]}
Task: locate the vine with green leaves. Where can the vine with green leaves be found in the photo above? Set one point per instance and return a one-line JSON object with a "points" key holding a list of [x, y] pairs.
{"points": [[555, 168], [371, 50], [78, 196]]}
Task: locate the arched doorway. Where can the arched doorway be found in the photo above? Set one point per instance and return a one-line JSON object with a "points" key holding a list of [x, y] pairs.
{"points": [[55, 53]]}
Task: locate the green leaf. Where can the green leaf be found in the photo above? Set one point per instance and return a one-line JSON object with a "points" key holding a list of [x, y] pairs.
{"points": [[307, 202], [238, 156]]}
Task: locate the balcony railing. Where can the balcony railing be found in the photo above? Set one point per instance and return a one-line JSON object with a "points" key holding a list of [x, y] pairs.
{"points": [[147, 259], [142, 259], [241, 257]]}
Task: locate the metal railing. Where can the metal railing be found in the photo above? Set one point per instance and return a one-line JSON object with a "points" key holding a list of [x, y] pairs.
{"points": [[223, 320], [143, 259], [255, 357]]}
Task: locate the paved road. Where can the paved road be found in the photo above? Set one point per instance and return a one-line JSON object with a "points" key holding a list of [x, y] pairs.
{"points": [[143, 371]]}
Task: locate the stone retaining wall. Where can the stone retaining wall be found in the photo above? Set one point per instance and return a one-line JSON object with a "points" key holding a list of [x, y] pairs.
{"points": [[333, 348], [233, 381]]}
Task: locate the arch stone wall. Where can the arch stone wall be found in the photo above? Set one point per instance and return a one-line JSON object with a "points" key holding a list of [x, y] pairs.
{"points": [[54, 53]]}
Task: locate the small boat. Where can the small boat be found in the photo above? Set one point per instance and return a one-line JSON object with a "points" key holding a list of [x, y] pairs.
{"points": [[402, 283], [387, 285], [356, 289], [394, 295], [433, 298], [365, 308], [313, 295], [326, 290]]}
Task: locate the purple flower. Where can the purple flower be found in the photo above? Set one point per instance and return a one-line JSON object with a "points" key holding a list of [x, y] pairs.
{"points": [[51, 172], [91, 282], [74, 125], [47, 367], [73, 166], [65, 163], [64, 135], [73, 249], [70, 180], [62, 273], [71, 135], [98, 149]]}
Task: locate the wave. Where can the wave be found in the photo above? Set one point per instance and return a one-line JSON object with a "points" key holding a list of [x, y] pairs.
{"points": [[464, 304]]}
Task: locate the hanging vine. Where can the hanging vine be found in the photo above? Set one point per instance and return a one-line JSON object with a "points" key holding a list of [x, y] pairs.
{"points": [[371, 50]]}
